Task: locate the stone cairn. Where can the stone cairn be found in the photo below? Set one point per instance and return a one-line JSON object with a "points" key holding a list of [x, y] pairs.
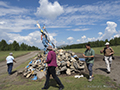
{"points": [[67, 62]]}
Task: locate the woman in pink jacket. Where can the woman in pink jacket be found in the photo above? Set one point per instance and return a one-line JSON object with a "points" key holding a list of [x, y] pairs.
{"points": [[52, 64]]}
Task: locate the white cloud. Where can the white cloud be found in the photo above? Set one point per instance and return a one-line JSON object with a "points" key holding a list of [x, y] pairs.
{"points": [[91, 39], [100, 8], [52, 38], [32, 39], [78, 40], [83, 37], [117, 35], [89, 14], [109, 31], [49, 10], [77, 29], [70, 38], [4, 4], [100, 33], [2, 22], [17, 24], [6, 9], [63, 43]]}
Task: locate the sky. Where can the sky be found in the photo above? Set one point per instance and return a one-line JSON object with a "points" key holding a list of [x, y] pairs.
{"points": [[67, 21]]}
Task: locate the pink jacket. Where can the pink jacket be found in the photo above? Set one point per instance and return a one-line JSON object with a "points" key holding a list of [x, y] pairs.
{"points": [[51, 59]]}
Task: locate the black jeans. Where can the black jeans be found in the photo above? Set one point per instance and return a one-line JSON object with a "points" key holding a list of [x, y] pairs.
{"points": [[10, 65], [51, 70]]}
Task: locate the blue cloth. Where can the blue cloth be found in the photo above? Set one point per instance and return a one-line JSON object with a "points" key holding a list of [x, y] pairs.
{"points": [[75, 56], [10, 65], [45, 43], [82, 59], [89, 66], [30, 62], [34, 78], [27, 66]]}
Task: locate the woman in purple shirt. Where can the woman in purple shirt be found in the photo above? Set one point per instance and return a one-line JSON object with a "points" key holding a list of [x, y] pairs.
{"points": [[52, 64]]}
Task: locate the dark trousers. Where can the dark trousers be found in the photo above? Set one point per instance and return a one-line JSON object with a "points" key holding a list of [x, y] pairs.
{"points": [[51, 70], [89, 66], [10, 65]]}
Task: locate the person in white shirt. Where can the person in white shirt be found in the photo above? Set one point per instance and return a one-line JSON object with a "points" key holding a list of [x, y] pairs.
{"points": [[9, 61]]}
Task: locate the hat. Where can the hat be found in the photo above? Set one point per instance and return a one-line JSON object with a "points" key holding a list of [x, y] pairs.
{"points": [[49, 47], [107, 43], [11, 53], [88, 44]]}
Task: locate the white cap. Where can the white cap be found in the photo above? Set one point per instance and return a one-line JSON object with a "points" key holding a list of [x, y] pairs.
{"points": [[11, 53], [107, 43]]}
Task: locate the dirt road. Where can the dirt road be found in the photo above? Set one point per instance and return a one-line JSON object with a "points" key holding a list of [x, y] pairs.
{"points": [[100, 67], [20, 60]]}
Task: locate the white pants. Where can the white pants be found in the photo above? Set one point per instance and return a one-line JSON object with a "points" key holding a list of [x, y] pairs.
{"points": [[108, 62]]}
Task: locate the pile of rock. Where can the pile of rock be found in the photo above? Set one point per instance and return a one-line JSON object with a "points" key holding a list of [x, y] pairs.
{"points": [[67, 62]]}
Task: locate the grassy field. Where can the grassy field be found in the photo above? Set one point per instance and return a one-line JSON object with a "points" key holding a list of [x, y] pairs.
{"points": [[97, 50], [100, 82], [4, 54]]}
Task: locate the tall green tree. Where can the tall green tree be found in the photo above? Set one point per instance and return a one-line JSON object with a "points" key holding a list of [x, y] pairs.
{"points": [[15, 46], [3, 45]]}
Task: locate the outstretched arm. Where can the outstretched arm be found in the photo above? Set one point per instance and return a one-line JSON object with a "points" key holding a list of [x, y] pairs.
{"points": [[14, 61], [88, 56], [101, 51]]}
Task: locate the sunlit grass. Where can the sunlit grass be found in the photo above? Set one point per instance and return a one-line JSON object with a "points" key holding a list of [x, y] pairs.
{"points": [[4, 54], [97, 50]]}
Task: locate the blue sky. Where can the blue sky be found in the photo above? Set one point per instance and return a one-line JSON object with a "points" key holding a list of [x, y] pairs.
{"points": [[67, 21]]}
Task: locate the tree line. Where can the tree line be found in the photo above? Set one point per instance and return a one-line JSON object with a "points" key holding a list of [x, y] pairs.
{"points": [[98, 43], [15, 46]]}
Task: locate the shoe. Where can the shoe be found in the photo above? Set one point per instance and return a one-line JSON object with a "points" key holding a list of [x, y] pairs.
{"points": [[61, 88], [90, 79], [108, 72], [44, 88]]}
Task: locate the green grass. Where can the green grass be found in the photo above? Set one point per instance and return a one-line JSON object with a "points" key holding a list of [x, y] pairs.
{"points": [[4, 54], [99, 83], [97, 50]]}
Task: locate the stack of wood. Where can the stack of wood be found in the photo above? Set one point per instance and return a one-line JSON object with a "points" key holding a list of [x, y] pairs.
{"points": [[67, 62], [36, 67]]}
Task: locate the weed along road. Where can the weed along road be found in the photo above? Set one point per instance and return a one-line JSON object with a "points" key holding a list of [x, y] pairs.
{"points": [[20, 60]]}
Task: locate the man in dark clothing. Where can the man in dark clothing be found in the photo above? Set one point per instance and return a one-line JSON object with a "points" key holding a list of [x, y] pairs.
{"points": [[52, 64]]}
